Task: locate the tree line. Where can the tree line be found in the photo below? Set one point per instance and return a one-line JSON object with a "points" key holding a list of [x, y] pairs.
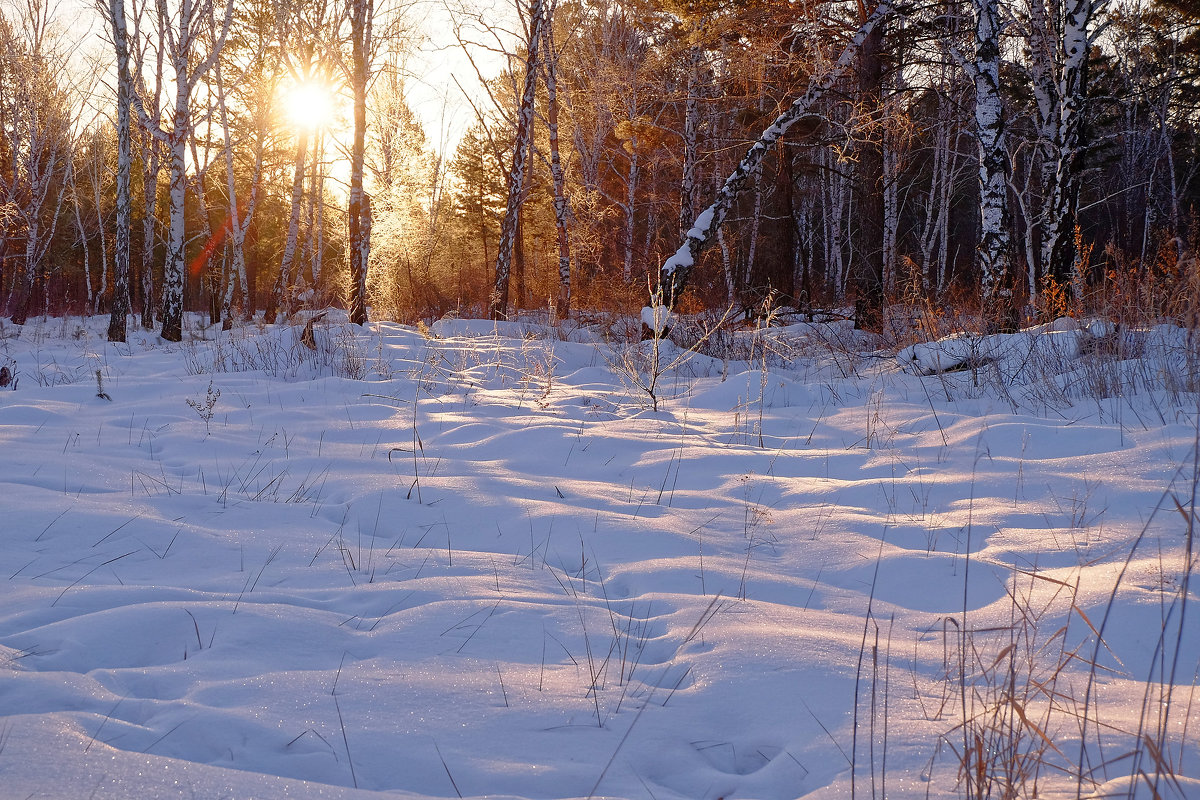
{"points": [[1007, 155]]}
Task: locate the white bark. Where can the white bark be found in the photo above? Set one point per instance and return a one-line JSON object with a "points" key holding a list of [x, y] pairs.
{"points": [[562, 210], [362, 17], [114, 13], [675, 271], [283, 284], [993, 250], [498, 306], [239, 219], [1059, 256], [189, 65]]}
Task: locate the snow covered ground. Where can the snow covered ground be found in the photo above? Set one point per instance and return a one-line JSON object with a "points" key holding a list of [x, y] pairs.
{"points": [[474, 561]]}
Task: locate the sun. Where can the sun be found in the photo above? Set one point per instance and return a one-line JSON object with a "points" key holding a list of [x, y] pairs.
{"points": [[308, 106]]}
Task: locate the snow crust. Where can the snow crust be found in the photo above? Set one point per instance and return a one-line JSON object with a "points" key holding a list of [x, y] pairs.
{"points": [[476, 563]]}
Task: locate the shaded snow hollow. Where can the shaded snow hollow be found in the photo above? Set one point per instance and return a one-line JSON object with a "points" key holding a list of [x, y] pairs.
{"points": [[474, 563]]}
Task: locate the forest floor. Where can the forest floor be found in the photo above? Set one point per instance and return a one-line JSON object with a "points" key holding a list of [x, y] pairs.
{"points": [[475, 560]]}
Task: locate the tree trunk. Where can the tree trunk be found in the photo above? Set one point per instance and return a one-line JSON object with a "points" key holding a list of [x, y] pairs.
{"points": [[235, 275], [691, 136], [119, 312], [1059, 251], [562, 210], [174, 268], [498, 303], [362, 14], [867, 269], [675, 270], [283, 282], [992, 254]]}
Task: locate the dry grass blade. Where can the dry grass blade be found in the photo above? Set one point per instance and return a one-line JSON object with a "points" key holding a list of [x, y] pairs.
{"points": [[1028, 723]]}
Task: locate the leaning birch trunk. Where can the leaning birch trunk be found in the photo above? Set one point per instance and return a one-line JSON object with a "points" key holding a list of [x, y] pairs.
{"points": [[498, 306], [359, 208], [993, 251], [562, 211], [119, 312], [675, 271]]}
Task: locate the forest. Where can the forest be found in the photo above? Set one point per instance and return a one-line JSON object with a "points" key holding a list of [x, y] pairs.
{"points": [[1003, 160]]}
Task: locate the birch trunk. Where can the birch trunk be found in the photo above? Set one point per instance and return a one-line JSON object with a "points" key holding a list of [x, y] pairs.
{"points": [[92, 299], [150, 145], [173, 266], [992, 254], [189, 68], [283, 282], [97, 177], [235, 276], [319, 200], [755, 229], [631, 188], [152, 162], [691, 135], [675, 270], [1058, 248], [562, 210], [1041, 37], [362, 13], [119, 312], [498, 305]]}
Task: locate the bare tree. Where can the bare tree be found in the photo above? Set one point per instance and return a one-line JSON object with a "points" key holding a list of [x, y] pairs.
{"points": [[498, 305], [562, 209], [191, 55], [113, 13], [38, 139], [1079, 28], [361, 14], [993, 251], [675, 270]]}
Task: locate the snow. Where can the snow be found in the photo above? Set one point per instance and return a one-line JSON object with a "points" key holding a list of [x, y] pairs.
{"points": [[658, 318], [468, 560]]}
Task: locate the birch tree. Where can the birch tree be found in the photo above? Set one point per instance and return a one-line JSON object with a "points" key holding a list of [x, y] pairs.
{"points": [[361, 14], [674, 273], [191, 56], [254, 90], [303, 40], [562, 209], [1059, 41], [37, 142], [993, 251], [148, 102], [498, 303], [113, 13]]}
